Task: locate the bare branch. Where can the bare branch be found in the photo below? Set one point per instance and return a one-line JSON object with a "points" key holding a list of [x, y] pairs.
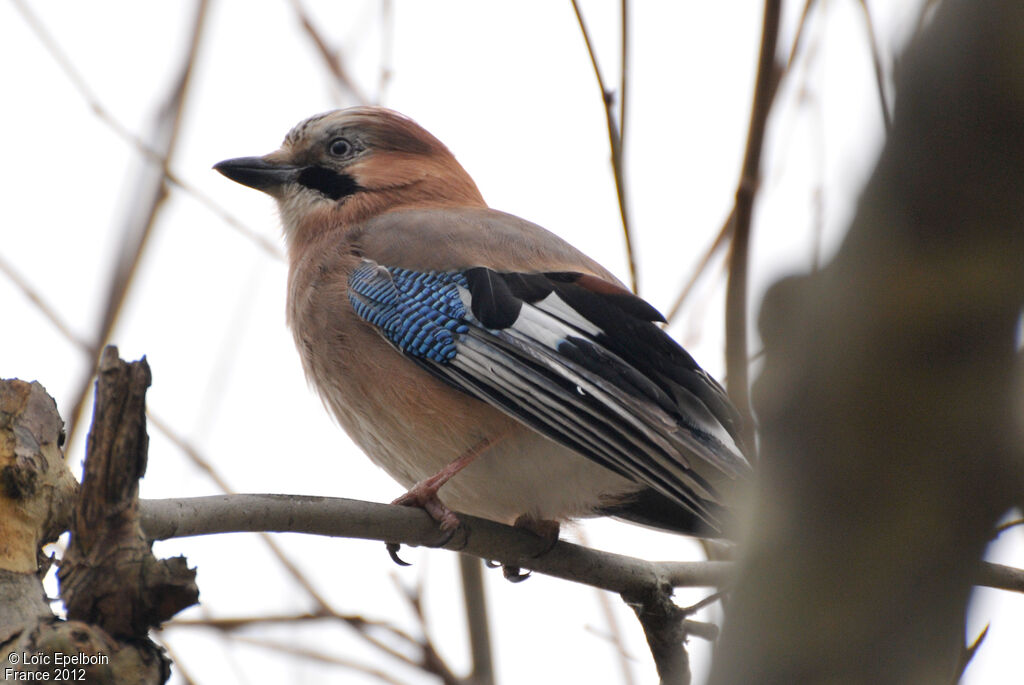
{"points": [[876, 60], [320, 657], [614, 140], [140, 146], [801, 29], [324, 606], [387, 39], [33, 296], [614, 634], [151, 193], [720, 240], [331, 58], [736, 356], [968, 654], [338, 517]]}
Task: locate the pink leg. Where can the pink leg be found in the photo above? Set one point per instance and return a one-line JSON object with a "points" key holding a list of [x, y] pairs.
{"points": [[424, 493]]}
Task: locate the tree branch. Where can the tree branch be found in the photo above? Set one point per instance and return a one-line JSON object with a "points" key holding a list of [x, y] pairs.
{"points": [[150, 195], [337, 517], [736, 355], [164, 519], [615, 134]]}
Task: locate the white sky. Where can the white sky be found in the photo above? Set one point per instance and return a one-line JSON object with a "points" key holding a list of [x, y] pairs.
{"points": [[509, 88]]}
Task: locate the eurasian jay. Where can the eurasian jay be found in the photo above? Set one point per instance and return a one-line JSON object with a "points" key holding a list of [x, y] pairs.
{"points": [[483, 362]]}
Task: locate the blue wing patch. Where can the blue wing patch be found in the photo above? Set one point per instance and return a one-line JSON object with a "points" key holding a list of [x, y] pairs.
{"points": [[577, 359], [421, 313]]}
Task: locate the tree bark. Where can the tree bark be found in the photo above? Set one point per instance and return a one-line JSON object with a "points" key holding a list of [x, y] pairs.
{"points": [[890, 397]]}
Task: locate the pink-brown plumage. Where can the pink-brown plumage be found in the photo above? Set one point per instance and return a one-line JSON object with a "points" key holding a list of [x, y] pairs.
{"points": [[369, 184]]}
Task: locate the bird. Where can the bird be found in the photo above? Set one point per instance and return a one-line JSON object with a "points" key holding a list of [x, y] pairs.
{"points": [[486, 364]]}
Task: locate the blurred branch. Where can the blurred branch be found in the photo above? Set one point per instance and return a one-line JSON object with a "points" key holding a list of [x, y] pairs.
{"points": [[876, 60], [141, 146], [1003, 527], [232, 625], [430, 659], [719, 242], [331, 57], [801, 29], [614, 635], [291, 649], [477, 623], [615, 134], [387, 39], [324, 607], [736, 355], [149, 200], [623, 71], [44, 308], [967, 654]]}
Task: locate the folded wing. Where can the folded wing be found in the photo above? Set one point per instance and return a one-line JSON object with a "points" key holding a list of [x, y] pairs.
{"points": [[576, 358]]}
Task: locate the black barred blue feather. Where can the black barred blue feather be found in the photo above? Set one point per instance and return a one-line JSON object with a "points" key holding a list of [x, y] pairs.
{"points": [[579, 360], [420, 313]]}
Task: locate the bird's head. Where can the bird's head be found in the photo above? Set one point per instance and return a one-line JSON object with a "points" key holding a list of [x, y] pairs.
{"points": [[345, 166]]}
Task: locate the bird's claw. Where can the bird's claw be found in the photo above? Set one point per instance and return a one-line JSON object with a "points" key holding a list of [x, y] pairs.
{"points": [[393, 549], [514, 574]]}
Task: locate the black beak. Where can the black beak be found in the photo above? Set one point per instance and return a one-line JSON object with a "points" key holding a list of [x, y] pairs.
{"points": [[258, 173]]}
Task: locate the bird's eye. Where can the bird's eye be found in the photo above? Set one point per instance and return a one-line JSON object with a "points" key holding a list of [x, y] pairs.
{"points": [[340, 147]]}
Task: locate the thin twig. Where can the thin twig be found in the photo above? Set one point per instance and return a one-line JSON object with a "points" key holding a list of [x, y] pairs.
{"points": [[615, 142], [241, 622], [122, 132], [228, 625], [430, 658], [623, 70], [139, 227], [876, 59], [701, 629], [331, 58], [320, 657], [33, 296], [967, 654], [179, 668], [614, 629], [801, 29], [736, 294], [323, 605], [1003, 527], [720, 240], [387, 40]]}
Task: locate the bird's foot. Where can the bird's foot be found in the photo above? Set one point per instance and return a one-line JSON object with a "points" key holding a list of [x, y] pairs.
{"points": [[424, 496], [545, 530]]}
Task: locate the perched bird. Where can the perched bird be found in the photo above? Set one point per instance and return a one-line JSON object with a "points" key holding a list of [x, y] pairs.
{"points": [[486, 364]]}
